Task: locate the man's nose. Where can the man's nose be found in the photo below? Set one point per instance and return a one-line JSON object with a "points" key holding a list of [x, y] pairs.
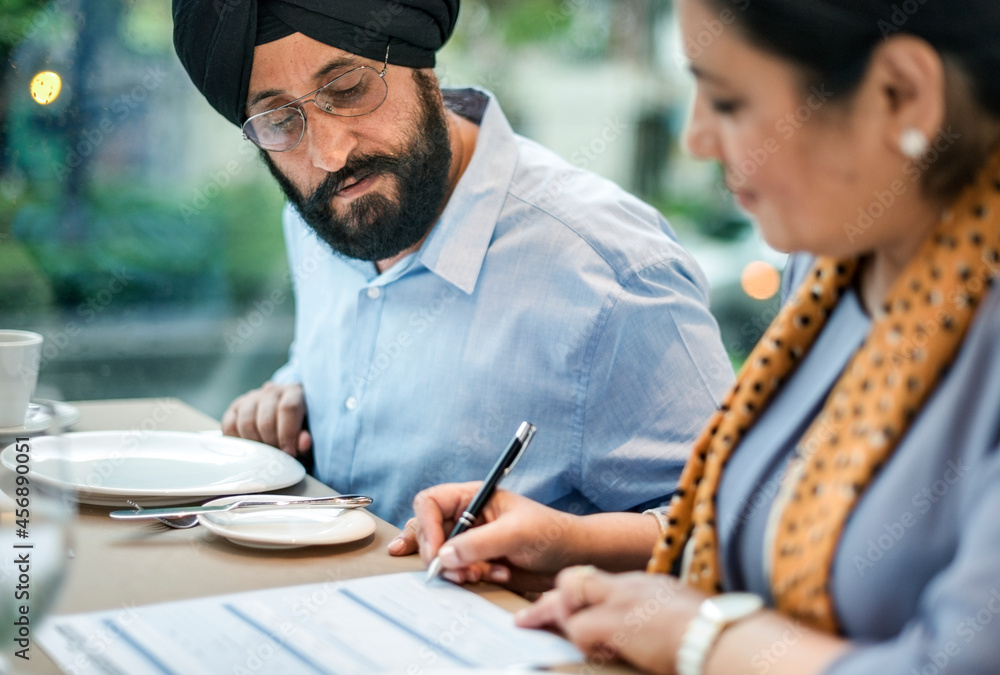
{"points": [[329, 139]]}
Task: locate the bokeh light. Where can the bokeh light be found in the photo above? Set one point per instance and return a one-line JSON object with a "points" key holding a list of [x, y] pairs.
{"points": [[760, 280], [45, 87]]}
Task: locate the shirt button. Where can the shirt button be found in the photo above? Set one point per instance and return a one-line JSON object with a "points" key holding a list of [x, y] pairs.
{"points": [[351, 403], [374, 292]]}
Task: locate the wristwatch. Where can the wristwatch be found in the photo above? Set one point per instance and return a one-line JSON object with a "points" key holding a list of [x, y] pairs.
{"points": [[713, 616]]}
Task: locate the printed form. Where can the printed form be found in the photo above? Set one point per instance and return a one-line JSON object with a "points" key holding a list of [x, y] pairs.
{"points": [[383, 624]]}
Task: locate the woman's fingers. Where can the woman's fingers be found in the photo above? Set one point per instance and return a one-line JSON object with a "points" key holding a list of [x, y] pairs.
{"points": [[576, 588]]}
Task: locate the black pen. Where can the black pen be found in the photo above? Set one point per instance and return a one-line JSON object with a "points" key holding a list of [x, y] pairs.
{"points": [[503, 466]]}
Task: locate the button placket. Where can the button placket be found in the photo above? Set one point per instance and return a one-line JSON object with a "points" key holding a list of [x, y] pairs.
{"points": [[369, 314]]}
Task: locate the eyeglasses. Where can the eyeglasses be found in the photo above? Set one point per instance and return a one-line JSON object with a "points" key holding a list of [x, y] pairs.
{"points": [[357, 92]]}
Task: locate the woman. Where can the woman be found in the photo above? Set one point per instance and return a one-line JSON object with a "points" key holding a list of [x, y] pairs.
{"points": [[852, 476]]}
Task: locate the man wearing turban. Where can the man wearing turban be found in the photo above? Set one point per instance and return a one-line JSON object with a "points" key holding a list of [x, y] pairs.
{"points": [[451, 277]]}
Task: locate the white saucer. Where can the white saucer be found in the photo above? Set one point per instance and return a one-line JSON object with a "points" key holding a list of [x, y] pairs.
{"points": [[66, 414], [35, 421], [288, 527]]}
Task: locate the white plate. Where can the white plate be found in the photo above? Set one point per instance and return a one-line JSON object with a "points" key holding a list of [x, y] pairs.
{"points": [[288, 528], [156, 468]]}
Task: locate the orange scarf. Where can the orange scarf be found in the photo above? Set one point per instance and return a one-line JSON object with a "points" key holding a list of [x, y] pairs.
{"points": [[877, 396]]}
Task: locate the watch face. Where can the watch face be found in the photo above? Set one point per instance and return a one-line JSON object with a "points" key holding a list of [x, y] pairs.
{"points": [[732, 606]]}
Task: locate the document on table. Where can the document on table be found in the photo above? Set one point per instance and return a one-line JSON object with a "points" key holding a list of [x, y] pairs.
{"points": [[384, 624]]}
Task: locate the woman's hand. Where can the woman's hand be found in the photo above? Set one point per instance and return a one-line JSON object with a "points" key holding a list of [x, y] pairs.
{"points": [[637, 617], [517, 542]]}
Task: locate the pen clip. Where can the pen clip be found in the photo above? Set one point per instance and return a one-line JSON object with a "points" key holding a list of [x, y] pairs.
{"points": [[529, 433]]}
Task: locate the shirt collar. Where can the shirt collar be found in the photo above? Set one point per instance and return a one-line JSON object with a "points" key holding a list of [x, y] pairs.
{"points": [[457, 245]]}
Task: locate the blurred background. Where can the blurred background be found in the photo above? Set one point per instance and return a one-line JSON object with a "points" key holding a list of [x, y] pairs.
{"points": [[141, 236]]}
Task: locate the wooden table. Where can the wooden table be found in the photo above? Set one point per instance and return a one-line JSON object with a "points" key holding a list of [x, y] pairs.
{"points": [[119, 564]]}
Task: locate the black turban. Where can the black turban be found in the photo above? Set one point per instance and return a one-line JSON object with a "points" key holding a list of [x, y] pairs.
{"points": [[215, 38]]}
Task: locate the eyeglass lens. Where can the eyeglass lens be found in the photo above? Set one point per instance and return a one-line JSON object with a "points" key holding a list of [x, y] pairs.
{"points": [[355, 93]]}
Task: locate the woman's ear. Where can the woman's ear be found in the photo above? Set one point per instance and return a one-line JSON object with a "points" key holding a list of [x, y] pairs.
{"points": [[910, 78]]}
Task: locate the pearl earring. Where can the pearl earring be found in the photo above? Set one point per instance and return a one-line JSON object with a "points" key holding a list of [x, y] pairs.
{"points": [[914, 143]]}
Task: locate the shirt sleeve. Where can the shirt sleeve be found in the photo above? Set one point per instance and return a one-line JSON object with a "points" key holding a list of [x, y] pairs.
{"points": [[657, 372], [291, 226]]}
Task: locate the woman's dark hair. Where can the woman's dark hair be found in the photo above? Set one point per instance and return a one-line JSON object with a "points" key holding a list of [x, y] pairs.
{"points": [[833, 41]]}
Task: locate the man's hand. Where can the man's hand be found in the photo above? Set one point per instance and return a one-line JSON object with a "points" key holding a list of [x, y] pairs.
{"points": [[517, 542], [273, 414]]}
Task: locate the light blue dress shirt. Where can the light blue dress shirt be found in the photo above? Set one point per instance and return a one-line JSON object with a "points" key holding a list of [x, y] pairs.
{"points": [[543, 293], [916, 576]]}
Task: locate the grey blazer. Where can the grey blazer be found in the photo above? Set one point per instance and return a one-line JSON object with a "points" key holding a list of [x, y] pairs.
{"points": [[916, 580]]}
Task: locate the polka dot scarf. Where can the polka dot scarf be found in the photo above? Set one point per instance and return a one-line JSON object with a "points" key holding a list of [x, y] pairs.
{"points": [[881, 390]]}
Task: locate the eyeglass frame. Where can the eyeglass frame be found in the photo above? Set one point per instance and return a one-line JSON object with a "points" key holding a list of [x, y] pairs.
{"points": [[302, 100]]}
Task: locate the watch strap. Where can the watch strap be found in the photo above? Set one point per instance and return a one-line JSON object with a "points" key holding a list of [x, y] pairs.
{"points": [[714, 616], [700, 635]]}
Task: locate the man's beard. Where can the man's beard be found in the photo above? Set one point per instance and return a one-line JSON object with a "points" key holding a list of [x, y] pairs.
{"points": [[376, 227]]}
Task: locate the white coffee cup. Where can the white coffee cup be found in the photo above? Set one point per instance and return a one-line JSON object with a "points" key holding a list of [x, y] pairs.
{"points": [[20, 354]]}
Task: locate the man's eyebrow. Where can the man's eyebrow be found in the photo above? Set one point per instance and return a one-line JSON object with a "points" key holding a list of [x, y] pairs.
{"points": [[260, 96], [336, 64], [326, 69]]}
